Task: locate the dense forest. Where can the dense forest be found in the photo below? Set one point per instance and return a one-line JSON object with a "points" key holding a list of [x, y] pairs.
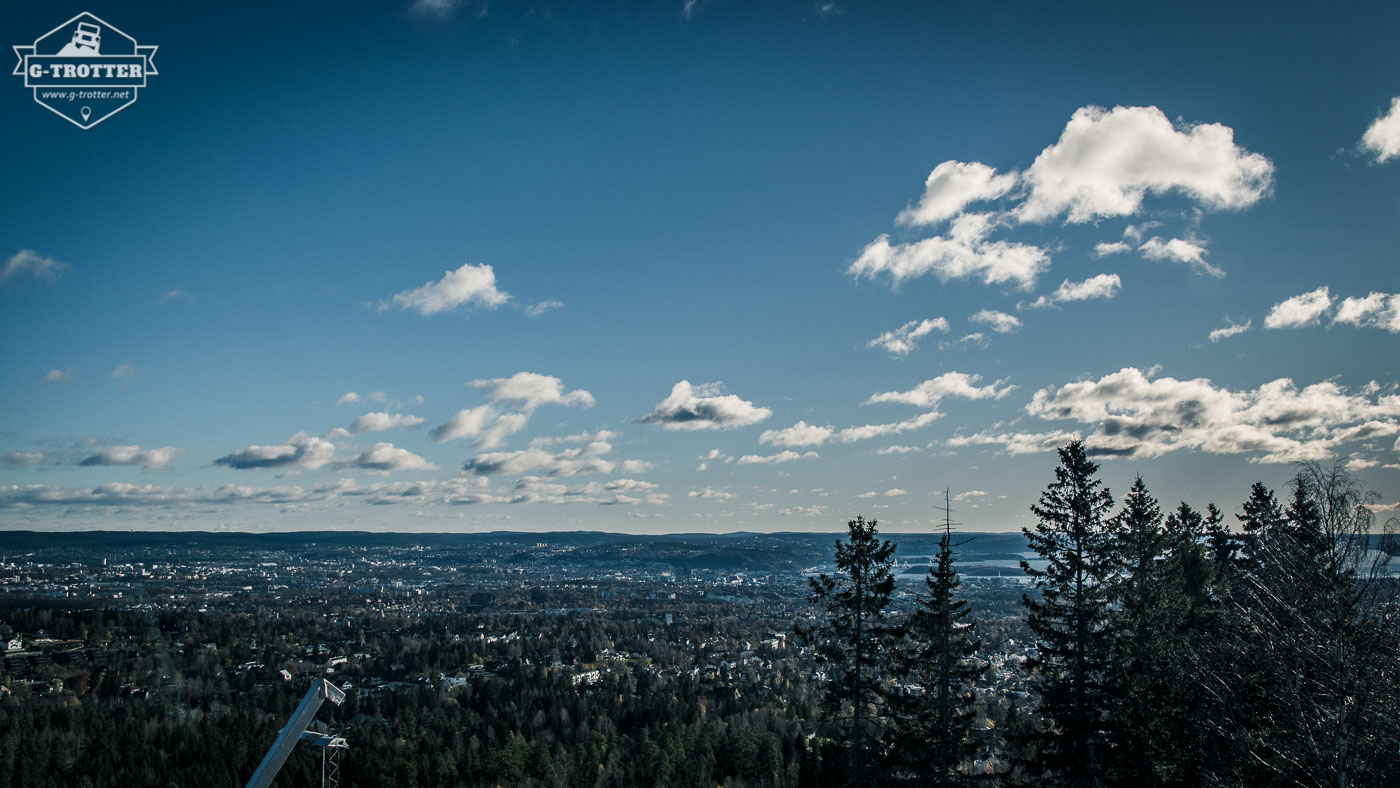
{"points": [[1152, 646], [1170, 650]]}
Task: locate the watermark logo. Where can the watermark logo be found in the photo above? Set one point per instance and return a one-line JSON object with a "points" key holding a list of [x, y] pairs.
{"points": [[85, 70]]}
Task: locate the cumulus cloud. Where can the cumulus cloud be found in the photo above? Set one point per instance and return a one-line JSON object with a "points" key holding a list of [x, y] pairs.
{"points": [[799, 434], [1137, 415], [999, 322], [710, 493], [529, 390], [951, 187], [895, 448], [969, 495], [955, 384], [588, 458], [704, 407], [58, 375], [467, 423], [904, 340], [1382, 138], [27, 262], [1099, 286], [148, 459], [1107, 161], [20, 459], [965, 252], [387, 458], [301, 451], [1105, 164], [489, 425], [381, 421], [775, 459], [470, 284], [1015, 443], [348, 398], [895, 492], [1376, 310], [1229, 330], [1300, 310], [1181, 251], [867, 431]]}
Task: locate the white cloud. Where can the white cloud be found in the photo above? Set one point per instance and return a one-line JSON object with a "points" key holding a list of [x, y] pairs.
{"points": [[1382, 138], [470, 284], [348, 398], [148, 459], [540, 307], [867, 431], [895, 448], [895, 492], [31, 263], [1182, 251], [1015, 443], [1360, 464], [20, 459], [1377, 310], [774, 459], [904, 340], [381, 421], [710, 493], [1000, 322], [964, 253], [301, 451], [1137, 415], [58, 375], [529, 390], [504, 426], [804, 511], [588, 458], [1098, 286], [1229, 330], [171, 295], [704, 407], [799, 434], [124, 373], [955, 384], [951, 187], [867, 494], [525, 390], [467, 423], [1105, 248], [387, 458], [974, 340], [969, 494], [1300, 310], [1106, 161]]}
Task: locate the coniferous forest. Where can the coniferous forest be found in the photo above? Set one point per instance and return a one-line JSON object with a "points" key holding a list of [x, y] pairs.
{"points": [[1162, 645]]}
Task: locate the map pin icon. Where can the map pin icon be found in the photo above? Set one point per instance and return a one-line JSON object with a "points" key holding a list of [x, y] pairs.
{"points": [[86, 113]]}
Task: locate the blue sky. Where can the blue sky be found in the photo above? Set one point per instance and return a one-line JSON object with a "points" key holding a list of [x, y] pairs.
{"points": [[676, 266]]}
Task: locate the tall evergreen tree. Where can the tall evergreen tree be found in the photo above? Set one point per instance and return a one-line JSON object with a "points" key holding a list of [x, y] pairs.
{"points": [[937, 654], [1069, 616], [853, 642], [1139, 647]]}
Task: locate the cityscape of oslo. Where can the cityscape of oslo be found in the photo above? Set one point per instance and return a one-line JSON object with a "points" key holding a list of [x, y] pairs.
{"points": [[700, 393]]}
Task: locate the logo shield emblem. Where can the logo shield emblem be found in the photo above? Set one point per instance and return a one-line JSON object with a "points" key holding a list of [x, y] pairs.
{"points": [[85, 70]]}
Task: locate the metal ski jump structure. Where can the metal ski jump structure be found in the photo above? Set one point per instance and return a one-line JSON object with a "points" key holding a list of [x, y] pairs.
{"points": [[296, 730]]}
